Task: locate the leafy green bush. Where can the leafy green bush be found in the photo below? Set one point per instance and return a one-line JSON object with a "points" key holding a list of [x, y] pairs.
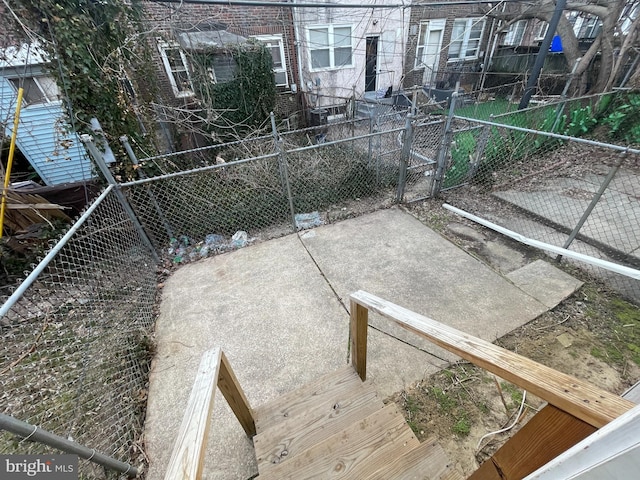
{"points": [[624, 118], [242, 103]]}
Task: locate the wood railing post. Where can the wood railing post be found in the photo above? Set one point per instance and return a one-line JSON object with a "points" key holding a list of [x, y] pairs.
{"points": [[230, 388], [576, 397], [188, 451], [359, 324]]}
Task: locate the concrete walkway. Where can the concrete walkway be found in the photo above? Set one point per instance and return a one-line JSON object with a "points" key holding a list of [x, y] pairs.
{"points": [[279, 311], [562, 201]]}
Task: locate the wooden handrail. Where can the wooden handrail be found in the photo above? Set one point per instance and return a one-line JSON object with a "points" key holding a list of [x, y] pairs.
{"points": [[590, 404], [188, 451]]}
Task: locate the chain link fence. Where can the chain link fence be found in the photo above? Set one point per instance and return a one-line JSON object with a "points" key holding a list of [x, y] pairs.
{"points": [[566, 191], [76, 336], [75, 347], [300, 179]]}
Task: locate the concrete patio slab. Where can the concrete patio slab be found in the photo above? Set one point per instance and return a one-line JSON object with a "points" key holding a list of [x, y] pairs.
{"points": [[389, 253], [557, 285], [279, 311]]}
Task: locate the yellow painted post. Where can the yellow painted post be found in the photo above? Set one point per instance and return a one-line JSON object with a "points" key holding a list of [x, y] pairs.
{"points": [[12, 149]]}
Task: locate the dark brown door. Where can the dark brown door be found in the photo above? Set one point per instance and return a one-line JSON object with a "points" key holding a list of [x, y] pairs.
{"points": [[371, 64]]}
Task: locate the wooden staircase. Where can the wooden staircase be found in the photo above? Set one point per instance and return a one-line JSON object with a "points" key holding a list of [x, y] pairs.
{"points": [[338, 427]]}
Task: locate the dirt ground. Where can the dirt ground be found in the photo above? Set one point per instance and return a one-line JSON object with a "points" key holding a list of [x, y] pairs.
{"points": [[593, 335]]}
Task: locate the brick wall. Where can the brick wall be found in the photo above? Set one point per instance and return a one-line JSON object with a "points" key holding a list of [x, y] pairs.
{"points": [[412, 75], [164, 20]]}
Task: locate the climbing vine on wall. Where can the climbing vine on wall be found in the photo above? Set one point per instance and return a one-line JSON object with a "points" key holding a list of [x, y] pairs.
{"points": [[97, 60], [242, 102]]}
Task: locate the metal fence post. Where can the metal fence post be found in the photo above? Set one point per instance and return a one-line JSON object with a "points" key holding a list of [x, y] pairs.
{"points": [[140, 172], [37, 434], [445, 144], [97, 157], [483, 139], [594, 201], [407, 142], [284, 170]]}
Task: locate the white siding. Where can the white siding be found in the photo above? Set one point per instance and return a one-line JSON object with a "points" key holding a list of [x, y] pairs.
{"points": [[56, 155]]}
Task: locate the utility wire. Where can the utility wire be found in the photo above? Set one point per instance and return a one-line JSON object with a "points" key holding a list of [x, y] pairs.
{"points": [[262, 3]]}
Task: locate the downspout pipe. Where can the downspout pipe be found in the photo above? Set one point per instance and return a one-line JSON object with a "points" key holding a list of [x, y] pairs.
{"points": [[296, 39]]}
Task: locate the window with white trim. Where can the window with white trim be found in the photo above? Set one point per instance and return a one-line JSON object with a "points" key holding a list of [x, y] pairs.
{"points": [[465, 39], [37, 89], [330, 46], [177, 68], [541, 30], [429, 43], [590, 27], [515, 33], [275, 45], [221, 67]]}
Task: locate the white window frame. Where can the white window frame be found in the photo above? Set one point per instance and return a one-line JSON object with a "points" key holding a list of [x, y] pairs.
{"points": [[515, 33], [46, 97], [331, 46], [177, 91], [283, 69], [464, 41], [427, 26], [541, 30], [590, 27]]}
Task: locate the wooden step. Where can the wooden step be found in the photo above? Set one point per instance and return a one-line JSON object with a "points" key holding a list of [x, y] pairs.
{"points": [[356, 452], [427, 461], [327, 416], [296, 402]]}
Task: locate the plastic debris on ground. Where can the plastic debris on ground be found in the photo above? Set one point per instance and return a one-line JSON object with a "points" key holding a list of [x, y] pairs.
{"points": [[183, 249], [305, 221]]}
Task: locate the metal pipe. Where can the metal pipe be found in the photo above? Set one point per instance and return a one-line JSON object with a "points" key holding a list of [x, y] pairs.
{"points": [[167, 176], [12, 150], [542, 54], [97, 157], [618, 148], [284, 171], [254, 3], [17, 294], [140, 172], [404, 157], [247, 160], [613, 267], [206, 147], [445, 145], [594, 202], [37, 434]]}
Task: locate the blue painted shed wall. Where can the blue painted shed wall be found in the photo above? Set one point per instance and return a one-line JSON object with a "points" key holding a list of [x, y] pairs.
{"points": [[41, 139]]}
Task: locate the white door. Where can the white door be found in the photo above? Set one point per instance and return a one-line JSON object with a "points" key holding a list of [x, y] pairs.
{"points": [[432, 44]]}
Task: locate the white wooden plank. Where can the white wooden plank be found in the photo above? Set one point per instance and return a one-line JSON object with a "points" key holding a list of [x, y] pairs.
{"points": [[613, 452]]}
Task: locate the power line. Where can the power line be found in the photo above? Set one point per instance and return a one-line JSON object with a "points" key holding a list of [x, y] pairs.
{"points": [[263, 3]]}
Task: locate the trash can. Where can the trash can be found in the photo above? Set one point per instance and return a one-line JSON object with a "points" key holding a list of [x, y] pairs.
{"points": [[319, 117]]}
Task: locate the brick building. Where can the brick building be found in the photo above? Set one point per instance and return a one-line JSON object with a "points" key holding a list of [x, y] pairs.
{"points": [[177, 31], [446, 44]]}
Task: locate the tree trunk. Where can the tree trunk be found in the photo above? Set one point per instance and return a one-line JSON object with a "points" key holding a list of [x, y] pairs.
{"points": [[629, 41]]}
